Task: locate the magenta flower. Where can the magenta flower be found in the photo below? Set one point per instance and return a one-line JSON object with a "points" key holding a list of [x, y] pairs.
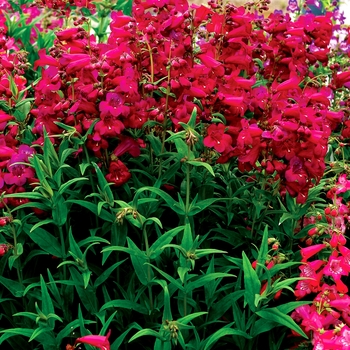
{"points": [[308, 252], [99, 341], [18, 173], [114, 106], [217, 138], [335, 267]]}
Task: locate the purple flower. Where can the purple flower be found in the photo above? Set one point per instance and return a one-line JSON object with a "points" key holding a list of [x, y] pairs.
{"points": [[293, 6]]}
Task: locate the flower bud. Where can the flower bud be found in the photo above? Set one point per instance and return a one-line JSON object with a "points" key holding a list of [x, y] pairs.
{"points": [[313, 231], [334, 212], [3, 249]]}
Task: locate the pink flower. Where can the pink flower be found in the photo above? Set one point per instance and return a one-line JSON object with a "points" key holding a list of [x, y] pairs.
{"points": [[343, 184], [99, 341], [217, 138], [308, 252], [18, 172], [113, 106]]}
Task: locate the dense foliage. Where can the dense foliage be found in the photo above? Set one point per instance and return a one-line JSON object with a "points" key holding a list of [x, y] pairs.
{"points": [[173, 176]]}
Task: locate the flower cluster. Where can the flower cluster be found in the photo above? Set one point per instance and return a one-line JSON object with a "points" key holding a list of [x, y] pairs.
{"points": [[14, 156], [160, 64], [328, 318]]}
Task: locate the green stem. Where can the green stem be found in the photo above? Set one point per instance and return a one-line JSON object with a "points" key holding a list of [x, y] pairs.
{"points": [[185, 304], [89, 39], [151, 62], [18, 268], [150, 294], [92, 182], [188, 182], [101, 32], [63, 251]]}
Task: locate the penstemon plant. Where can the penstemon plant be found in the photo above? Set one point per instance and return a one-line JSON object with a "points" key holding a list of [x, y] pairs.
{"points": [[173, 176]]}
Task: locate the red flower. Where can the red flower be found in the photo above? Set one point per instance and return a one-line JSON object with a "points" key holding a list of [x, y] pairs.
{"points": [[129, 145], [217, 138], [118, 173]]}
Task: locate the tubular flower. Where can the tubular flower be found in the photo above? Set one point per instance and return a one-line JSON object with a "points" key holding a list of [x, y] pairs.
{"points": [[98, 341]]}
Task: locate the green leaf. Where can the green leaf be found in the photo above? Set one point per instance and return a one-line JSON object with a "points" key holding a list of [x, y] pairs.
{"points": [[149, 332], [86, 12], [169, 278], [105, 327], [106, 273], [182, 271], [49, 154], [13, 85], [261, 326], [262, 252], [45, 240], [291, 306], [125, 304], [275, 315], [138, 259], [201, 281], [210, 341], [125, 6], [39, 169], [33, 316], [188, 318], [53, 288], [286, 216], [156, 248], [172, 204], [65, 186], [167, 315], [262, 82], [103, 184], [41, 223], [59, 209], [73, 246], [14, 287], [187, 239], [156, 144], [201, 205], [39, 331], [47, 305], [15, 331], [203, 164], [203, 252], [86, 295], [14, 257], [118, 342], [29, 195], [224, 304], [252, 284], [104, 214]]}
